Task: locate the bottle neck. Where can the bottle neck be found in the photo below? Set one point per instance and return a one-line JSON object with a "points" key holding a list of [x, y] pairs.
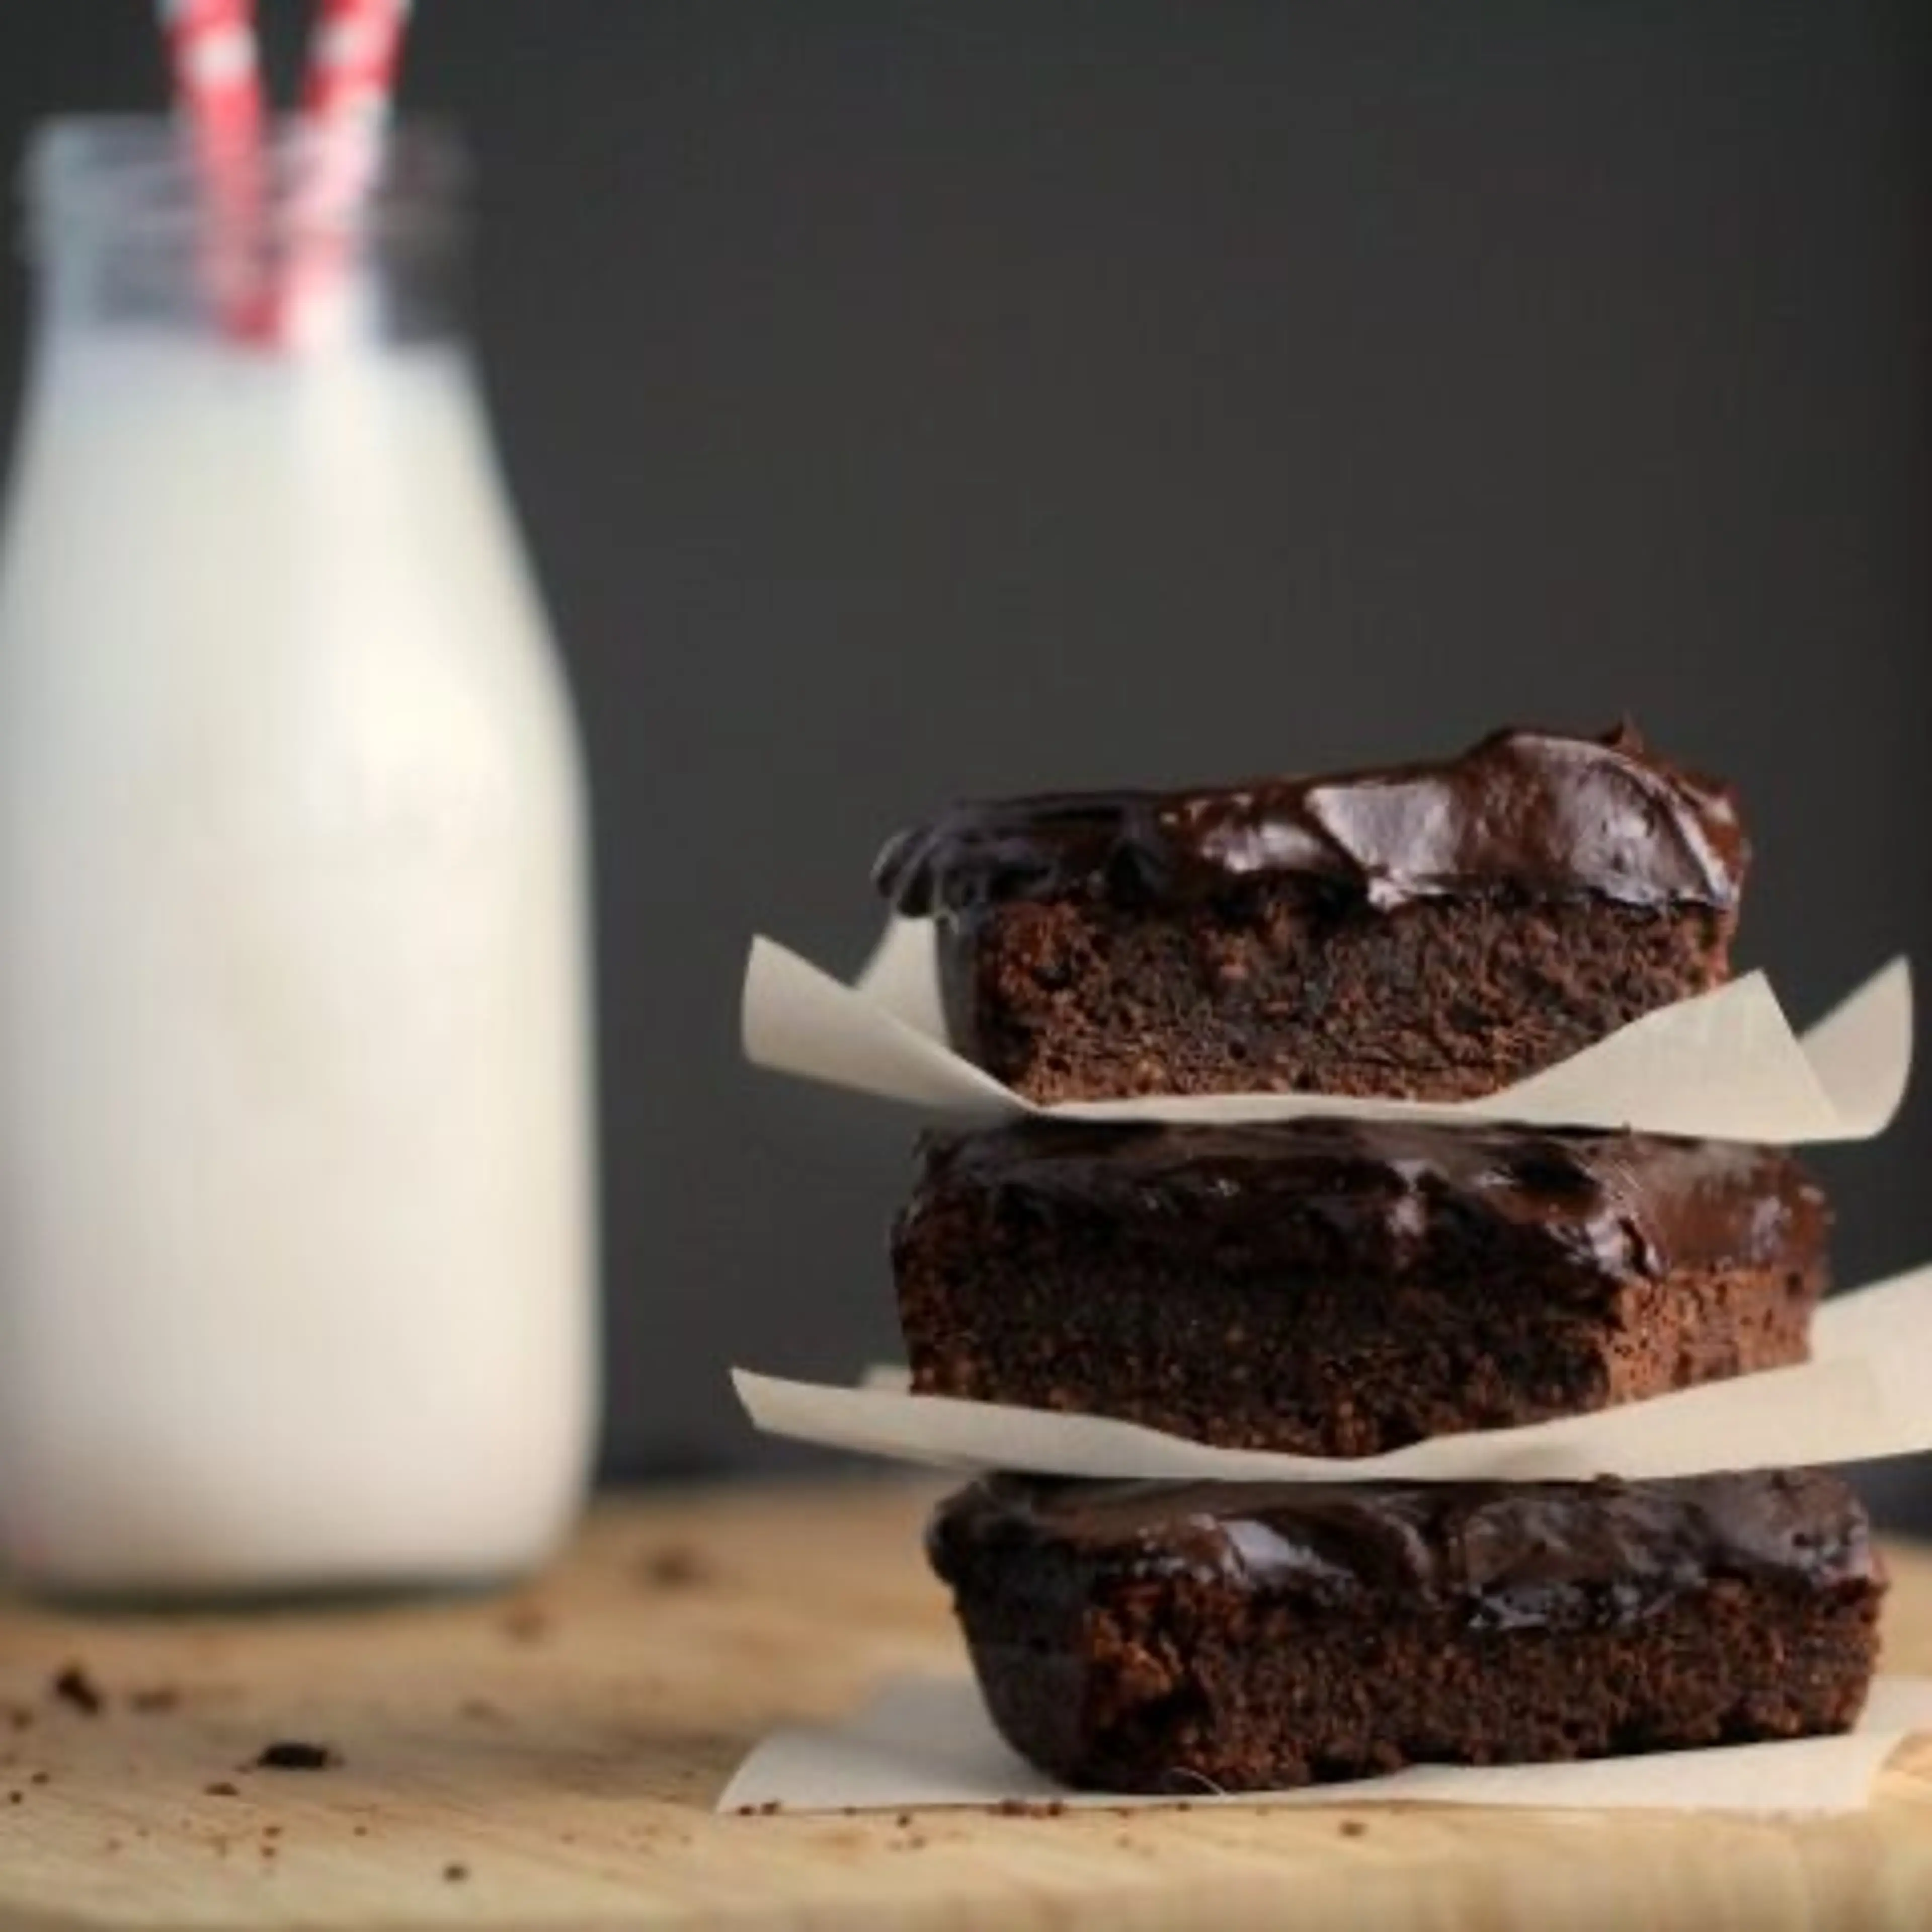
{"points": [[293, 250]]}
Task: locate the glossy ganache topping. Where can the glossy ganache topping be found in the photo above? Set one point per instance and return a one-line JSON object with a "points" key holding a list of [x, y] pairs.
{"points": [[1395, 1193], [1532, 812], [1509, 1555]]}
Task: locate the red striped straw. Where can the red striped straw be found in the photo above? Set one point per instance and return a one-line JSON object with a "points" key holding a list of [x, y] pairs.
{"points": [[357, 48], [354, 54], [218, 90]]}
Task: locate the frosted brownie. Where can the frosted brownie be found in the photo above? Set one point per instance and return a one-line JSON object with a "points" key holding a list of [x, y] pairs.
{"points": [[1432, 931], [1153, 1637], [1342, 1288]]}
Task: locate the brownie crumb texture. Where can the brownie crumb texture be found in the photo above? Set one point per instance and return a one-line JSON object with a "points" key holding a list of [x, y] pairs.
{"points": [[454, 1874], [296, 1754], [221, 1788], [1437, 1001]]}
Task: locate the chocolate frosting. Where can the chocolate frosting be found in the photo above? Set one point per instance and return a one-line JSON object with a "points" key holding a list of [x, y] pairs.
{"points": [[1530, 812], [1505, 1555], [1621, 1203]]}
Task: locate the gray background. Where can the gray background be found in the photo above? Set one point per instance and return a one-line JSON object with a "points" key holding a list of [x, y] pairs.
{"points": [[913, 400]]}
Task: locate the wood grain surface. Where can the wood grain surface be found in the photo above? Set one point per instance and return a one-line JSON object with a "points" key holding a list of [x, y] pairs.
{"points": [[550, 1760]]}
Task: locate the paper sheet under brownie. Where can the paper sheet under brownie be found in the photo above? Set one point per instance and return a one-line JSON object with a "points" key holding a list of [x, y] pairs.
{"points": [[1725, 1066], [920, 1741], [1862, 1398]]}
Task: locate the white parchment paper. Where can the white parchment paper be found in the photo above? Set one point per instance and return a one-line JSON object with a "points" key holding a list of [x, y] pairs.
{"points": [[1725, 1066], [920, 1741], [1865, 1395]]}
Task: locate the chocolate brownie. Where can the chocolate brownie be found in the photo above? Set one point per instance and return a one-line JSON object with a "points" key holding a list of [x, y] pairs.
{"points": [[1341, 1288], [1159, 1637], [1428, 931]]}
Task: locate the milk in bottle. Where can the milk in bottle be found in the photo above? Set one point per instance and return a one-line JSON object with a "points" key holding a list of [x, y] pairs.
{"points": [[295, 1248]]}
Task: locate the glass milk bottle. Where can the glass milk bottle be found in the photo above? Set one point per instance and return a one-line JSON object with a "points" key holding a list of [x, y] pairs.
{"points": [[296, 1218]]}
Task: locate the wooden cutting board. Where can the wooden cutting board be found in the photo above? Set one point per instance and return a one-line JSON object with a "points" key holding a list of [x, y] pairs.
{"points": [[550, 1761]]}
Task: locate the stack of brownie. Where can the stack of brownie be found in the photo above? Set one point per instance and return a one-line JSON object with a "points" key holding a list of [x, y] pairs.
{"points": [[1344, 1287]]}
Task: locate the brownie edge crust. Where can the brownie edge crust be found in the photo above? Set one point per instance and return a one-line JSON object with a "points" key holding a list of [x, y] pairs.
{"points": [[1151, 1637]]}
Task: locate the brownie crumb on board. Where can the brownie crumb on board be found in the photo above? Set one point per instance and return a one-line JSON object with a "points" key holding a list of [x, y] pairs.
{"points": [[526, 1623], [75, 1688], [296, 1754], [1027, 1808], [19, 1717], [454, 1874], [41, 1778], [675, 1567], [16, 1798], [221, 1788], [1353, 1828], [156, 1697]]}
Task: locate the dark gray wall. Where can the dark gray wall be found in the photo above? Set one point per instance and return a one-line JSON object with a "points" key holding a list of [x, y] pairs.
{"points": [[911, 400]]}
